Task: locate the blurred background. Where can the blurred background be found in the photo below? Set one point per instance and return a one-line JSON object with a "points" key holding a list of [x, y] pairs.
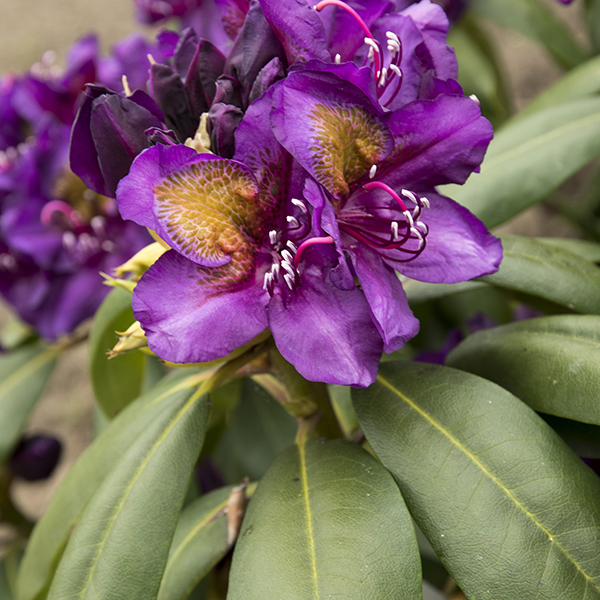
{"points": [[28, 28]]}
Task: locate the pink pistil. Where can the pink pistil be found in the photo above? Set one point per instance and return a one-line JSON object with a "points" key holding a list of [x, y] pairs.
{"points": [[386, 188], [321, 5], [304, 245], [59, 206]]}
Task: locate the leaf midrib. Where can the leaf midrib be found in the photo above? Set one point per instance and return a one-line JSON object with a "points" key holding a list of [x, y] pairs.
{"points": [[136, 476], [484, 470]]}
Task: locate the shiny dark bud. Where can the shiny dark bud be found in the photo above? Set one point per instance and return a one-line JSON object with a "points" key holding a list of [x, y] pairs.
{"points": [[36, 457]]}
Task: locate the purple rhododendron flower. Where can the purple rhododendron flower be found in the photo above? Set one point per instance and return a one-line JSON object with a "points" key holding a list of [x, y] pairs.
{"points": [[314, 199], [56, 234]]}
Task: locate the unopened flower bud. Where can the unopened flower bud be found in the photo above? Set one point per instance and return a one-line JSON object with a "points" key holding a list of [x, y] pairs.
{"points": [[132, 339], [35, 457], [139, 263]]}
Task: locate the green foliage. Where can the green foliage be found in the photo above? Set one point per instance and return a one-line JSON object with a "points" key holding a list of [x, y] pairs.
{"points": [[533, 19], [88, 475], [118, 381], [120, 544], [530, 158], [199, 542], [551, 363], [23, 375], [259, 429], [326, 520], [510, 509]]}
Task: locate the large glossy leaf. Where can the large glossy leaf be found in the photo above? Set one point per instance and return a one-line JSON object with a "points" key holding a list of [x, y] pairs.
{"points": [[510, 509], [199, 542], [9, 564], [588, 250], [530, 158], [258, 431], [23, 376], [551, 363], [326, 521], [118, 381], [87, 475], [549, 272], [120, 545], [534, 20]]}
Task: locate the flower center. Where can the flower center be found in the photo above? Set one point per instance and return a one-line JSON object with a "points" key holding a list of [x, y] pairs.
{"points": [[388, 78], [285, 252], [390, 226]]}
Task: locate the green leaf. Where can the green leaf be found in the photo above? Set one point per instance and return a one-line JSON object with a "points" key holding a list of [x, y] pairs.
{"points": [[23, 376], [551, 363], [582, 81], [87, 475], [9, 564], [120, 545], [118, 381], [588, 250], [534, 20], [530, 158], [549, 272], [199, 542], [257, 432], [419, 291], [327, 520], [510, 509]]}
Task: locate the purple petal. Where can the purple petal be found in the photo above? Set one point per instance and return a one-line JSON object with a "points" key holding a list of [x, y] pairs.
{"points": [[191, 314], [135, 192], [386, 297], [459, 247], [298, 28], [438, 141], [325, 332], [330, 127]]}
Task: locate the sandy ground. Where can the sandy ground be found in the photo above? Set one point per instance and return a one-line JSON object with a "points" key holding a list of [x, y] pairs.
{"points": [[30, 27]]}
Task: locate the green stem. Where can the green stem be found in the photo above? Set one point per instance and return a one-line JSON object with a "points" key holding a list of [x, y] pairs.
{"points": [[307, 400]]}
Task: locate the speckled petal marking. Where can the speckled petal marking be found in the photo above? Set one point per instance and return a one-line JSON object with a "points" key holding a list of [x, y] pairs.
{"points": [[346, 142], [207, 209]]}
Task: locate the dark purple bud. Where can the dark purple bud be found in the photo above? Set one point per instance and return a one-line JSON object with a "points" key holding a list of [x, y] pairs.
{"points": [[438, 357], [35, 457], [185, 50], [223, 120], [228, 91], [270, 74], [108, 133], [168, 91], [206, 66], [256, 45]]}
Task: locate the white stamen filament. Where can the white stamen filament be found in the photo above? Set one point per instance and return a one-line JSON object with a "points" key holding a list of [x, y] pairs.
{"points": [[267, 281], [475, 99], [292, 221], [289, 268], [422, 226], [299, 204], [275, 271], [273, 237], [383, 77], [97, 224], [372, 171], [408, 194], [292, 246], [287, 257], [396, 69], [425, 202], [68, 240], [392, 37], [409, 217], [394, 230], [337, 59], [289, 280]]}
